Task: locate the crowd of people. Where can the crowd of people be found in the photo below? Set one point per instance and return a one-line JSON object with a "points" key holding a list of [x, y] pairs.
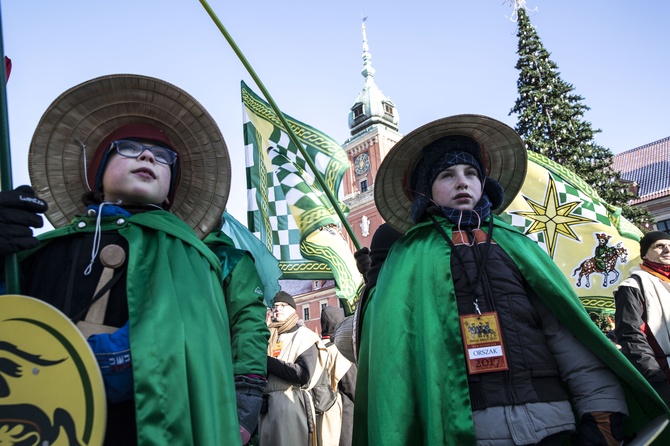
{"points": [[135, 165]]}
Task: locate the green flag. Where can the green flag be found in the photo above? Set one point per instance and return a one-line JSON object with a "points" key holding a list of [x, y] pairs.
{"points": [[288, 210], [266, 264]]}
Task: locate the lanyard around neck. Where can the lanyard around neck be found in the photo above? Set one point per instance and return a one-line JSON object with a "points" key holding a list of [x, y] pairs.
{"points": [[480, 268]]}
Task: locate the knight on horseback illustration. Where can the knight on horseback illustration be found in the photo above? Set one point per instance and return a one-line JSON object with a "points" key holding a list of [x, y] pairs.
{"points": [[604, 261]]}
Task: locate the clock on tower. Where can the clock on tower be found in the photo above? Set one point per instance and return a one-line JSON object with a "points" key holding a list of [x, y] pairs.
{"points": [[362, 163]]}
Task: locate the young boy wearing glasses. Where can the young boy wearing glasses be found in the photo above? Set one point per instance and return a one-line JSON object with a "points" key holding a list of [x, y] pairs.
{"points": [[191, 323]]}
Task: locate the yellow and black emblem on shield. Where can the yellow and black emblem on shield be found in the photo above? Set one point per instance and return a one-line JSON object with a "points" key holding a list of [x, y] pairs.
{"points": [[51, 390]]}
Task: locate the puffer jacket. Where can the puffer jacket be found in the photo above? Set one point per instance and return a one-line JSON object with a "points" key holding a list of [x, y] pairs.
{"points": [[542, 355], [533, 374]]}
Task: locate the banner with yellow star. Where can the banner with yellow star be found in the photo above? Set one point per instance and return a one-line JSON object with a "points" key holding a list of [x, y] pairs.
{"points": [[589, 240]]}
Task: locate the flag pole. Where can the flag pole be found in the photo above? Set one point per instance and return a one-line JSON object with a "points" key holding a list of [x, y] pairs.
{"points": [[281, 117], [11, 261]]}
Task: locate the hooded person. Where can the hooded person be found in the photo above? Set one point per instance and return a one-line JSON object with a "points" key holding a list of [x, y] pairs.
{"points": [[472, 335], [336, 424], [135, 166], [296, 358]]}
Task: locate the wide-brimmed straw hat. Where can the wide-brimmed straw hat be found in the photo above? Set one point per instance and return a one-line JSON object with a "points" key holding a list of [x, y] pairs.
{"points": [[504, 157], [89, 112]]}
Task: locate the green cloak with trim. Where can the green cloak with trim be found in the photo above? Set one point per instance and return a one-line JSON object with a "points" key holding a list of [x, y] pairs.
{"points": [[180, 335], [412, 383]]}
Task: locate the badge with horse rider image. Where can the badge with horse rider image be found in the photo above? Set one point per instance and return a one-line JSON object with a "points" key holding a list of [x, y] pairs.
{"points": [[51, 389], [483, 343]]}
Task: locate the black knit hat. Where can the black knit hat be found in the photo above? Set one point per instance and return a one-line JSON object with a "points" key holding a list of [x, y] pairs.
{"points": [[285, 297], [650, 238], [440, 154]]}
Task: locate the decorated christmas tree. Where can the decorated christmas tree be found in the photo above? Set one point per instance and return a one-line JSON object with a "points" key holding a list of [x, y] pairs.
{"points": [[551, 121]]}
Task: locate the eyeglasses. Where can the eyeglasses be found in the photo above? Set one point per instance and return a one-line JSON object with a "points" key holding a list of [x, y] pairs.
{"points": [[133, 149]]}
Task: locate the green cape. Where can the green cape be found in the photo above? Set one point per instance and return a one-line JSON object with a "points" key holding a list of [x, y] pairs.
{"points": [[243, 289], [412, 383], [179, 331]]}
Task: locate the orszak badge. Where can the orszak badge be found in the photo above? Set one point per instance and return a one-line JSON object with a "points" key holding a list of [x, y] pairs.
{"points": [[483, 343]]}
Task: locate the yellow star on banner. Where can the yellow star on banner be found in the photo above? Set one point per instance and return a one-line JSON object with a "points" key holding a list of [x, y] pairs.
{"points": [[552, 218]]}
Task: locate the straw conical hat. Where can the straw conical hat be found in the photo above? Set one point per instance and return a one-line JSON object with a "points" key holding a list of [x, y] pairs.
{"points": [[504, 157], [88, 112]]}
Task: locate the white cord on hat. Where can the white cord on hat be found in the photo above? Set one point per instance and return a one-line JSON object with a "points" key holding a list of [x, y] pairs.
{"points": [[83, 148]]}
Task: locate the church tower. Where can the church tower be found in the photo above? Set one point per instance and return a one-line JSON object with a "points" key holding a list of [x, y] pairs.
{"points": [[373, 125]]}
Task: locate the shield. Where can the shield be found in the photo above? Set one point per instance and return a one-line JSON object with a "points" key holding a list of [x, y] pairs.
{"points": [[51, 389]]}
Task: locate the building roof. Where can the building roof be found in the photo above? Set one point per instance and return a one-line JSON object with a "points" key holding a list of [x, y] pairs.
{"points": [[649, 167], [297, 287]]}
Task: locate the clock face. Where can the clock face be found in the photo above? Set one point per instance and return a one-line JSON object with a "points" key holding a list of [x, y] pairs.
{"points": [[362, 163]]}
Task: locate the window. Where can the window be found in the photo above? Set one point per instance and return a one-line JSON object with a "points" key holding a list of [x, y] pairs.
{"points": [[316, 285], [364, 185], [324, 304], [305, 313], [663, 225], [388, 108], [358, 110]]}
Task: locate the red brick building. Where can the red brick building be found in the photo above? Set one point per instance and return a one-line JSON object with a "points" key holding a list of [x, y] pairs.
{"points": [[373, 125]]}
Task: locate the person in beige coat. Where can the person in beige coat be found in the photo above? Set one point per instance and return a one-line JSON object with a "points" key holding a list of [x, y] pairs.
{"points": [[296, 358]]}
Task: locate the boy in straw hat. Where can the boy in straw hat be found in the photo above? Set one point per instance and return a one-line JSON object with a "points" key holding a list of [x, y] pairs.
{"points": [[154, 174], [472, 335]]}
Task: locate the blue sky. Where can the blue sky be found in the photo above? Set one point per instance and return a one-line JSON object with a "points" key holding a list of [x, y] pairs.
{"points": [[433, 59]]}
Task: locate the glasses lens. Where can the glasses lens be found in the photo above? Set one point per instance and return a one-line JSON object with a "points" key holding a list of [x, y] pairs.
{"points": [[162, 154], [133, 149], [130, 149]]}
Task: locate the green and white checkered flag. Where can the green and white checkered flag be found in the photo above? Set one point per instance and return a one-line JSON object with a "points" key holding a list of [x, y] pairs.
{"points": [[288, 210]]}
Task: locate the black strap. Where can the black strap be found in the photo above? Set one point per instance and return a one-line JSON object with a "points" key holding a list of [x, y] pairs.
{"points": [[70, 281], [644, 299], [106, 287], [485, 256]]}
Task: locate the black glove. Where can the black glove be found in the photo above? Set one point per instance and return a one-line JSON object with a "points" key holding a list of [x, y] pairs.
{"points": [[600, 428], [249, 391], [363, 260], [18, 213]]}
